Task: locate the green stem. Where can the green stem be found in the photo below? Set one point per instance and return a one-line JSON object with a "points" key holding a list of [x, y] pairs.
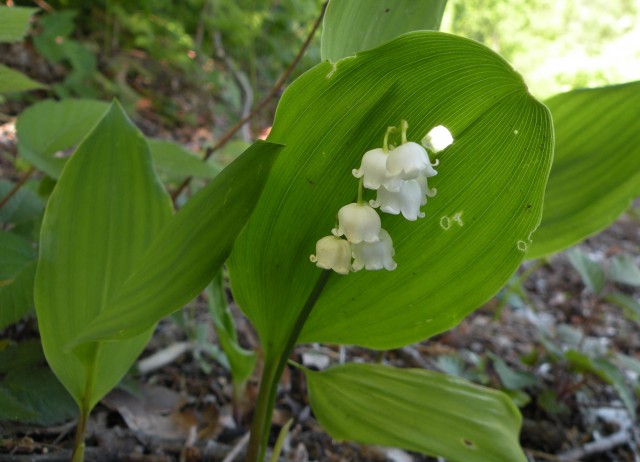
{"points": [[78, 444], [360, 186], [385, 143], [271, 373], [403, 126]]}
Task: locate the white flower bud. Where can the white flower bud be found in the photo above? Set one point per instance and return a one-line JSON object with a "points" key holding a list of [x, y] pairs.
{"points": [[358, 223], [407, 161], [406, 201], [373, 168], [437, 139], [333, 253], [374, 255]]}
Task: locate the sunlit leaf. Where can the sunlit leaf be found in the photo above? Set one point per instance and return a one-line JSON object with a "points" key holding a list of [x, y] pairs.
{"points": [[624, 269], [596, 168], [48, 128], [188, 252], [356, 25], [14, 22], [14, 81], [591, 272], [418, 410], [493, 176], [17, 272], [102, 215]]}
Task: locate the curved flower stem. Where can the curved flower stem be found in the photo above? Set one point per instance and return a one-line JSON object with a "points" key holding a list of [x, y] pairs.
{"points": [[385, 143], [403, 126], [271, 373], [360, 183]]}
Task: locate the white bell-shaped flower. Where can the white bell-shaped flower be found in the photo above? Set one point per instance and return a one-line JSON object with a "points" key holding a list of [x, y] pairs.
{"points": [[333, 253], [406, 201], [407, 161], [358, 223], [374, 255], [373, 168], [437, 139], [424, 188]]}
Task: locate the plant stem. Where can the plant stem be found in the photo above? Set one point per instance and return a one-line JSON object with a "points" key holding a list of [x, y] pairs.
{"points": [[271, 373], [78, 444], [360, 184], [17, 186]]}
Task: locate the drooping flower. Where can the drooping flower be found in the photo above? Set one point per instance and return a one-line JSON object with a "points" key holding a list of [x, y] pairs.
{"points": [[408, 161], [358, 222], [374, 255], [437, 139], [406, 201], [333, 253], [373, 168]]}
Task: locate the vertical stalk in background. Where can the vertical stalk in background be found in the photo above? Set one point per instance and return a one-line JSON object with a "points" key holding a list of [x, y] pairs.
{"points": [[271, 373]]}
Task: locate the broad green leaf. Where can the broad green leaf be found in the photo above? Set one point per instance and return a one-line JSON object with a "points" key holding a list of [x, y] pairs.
{"points": [[630, 305], [24, 207], [241, 362], [607, 371], [14, 81], [12, 409], [418, 410], [591, 272], [596, 168], [176, 162], [102, 215], [493, 175], [14, 22], [17, 272], [48, 128], [188, 252], [623, 269], [356, 25]]}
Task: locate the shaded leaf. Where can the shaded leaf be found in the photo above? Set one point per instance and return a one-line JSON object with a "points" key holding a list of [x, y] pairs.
{"points": [[23, 207], [623, 269], [39, 391], [493, 175], [14, 22], [48, 128], [17, 273], [188, 252], [591, 272], [103, 213], [176, 162], [630, 305], [596, 167], [242, 362], [414, 409], [14, 81], [357, 25]]}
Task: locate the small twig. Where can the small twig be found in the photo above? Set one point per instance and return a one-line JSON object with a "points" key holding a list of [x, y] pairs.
{"points": [[17, 187], [274, 90], [237, 449], [44, 5], [546, 456], [596, 447]]}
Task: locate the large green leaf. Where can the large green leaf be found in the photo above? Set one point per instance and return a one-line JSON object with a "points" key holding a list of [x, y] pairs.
{"points": [[596, 169], [356, 25], [14, 81], [494, 175], [419, 410], [176, 162], [188, 252], [17, 271], [48, 128], [100, 218], [14, 22]]}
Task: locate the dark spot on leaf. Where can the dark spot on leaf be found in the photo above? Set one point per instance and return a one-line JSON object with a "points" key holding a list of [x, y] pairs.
{"points": [[310, 181], [387, 10], [468, 443]]}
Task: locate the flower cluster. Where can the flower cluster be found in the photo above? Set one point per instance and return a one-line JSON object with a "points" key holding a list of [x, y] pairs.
{"points": [[399, 177]]}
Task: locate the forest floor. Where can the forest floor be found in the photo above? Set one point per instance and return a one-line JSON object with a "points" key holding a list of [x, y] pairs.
{"points": [[546, 340]]}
